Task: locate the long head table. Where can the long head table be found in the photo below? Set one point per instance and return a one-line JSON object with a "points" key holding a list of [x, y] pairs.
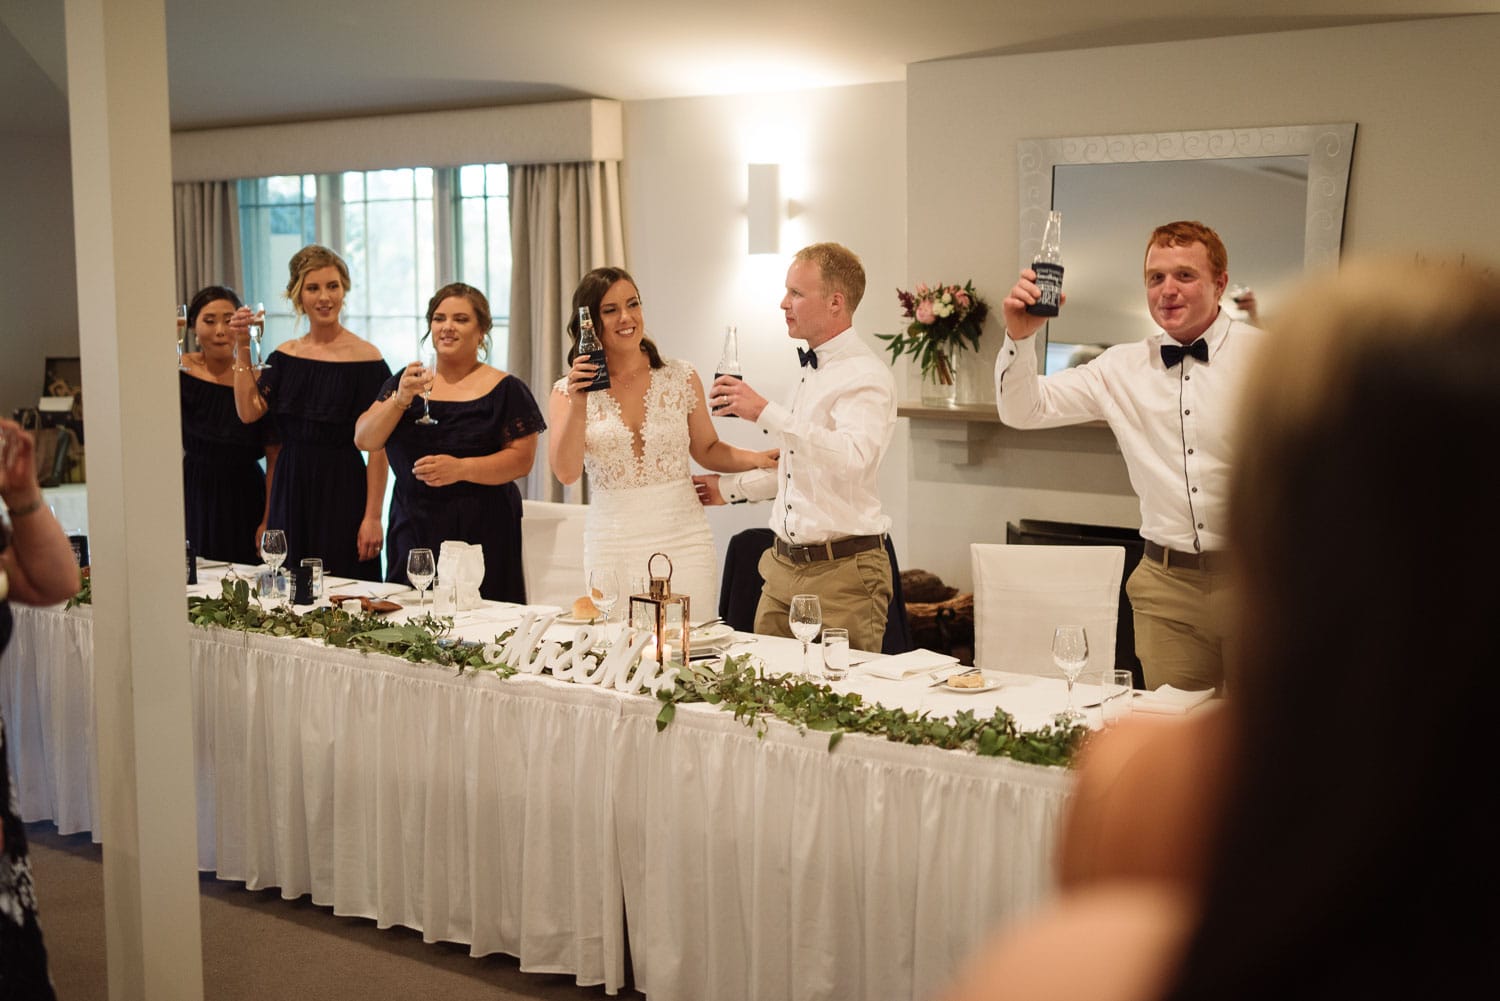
{"points": [[534, 817]]}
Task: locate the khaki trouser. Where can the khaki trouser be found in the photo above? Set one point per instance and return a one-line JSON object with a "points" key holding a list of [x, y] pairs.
{"points": [[853, 592], [1182, 621]]}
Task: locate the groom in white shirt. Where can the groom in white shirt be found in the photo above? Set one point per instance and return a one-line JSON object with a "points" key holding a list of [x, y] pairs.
{"points": [[830, 532]]}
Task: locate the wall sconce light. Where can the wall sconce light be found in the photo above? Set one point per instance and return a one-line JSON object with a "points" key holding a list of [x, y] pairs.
{"points": [[764, 208]]}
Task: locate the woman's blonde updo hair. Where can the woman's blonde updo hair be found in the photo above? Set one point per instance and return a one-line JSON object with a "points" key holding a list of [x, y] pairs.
{"points": [[310, 258]]}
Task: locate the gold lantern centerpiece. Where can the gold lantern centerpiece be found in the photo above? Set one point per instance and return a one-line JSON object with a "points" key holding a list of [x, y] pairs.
{"points": [[663, 615]]}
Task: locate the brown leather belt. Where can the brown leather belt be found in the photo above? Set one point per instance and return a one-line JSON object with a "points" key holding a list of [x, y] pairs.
{"points": [[835, 550], [1211, 562]]}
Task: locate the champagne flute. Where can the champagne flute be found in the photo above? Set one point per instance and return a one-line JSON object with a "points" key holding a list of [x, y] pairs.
{"points": [[182, 336], [257, 331], [805, 616], [429, 365], [1070, 652], [420, 570]]}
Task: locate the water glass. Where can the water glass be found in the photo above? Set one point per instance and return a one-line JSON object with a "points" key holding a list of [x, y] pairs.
{"points": [[317, 575], [835, 653], [444, 598], [1117, 696]]}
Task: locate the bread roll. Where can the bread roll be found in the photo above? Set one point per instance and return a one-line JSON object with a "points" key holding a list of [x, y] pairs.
{"points": [[975, 680], [584, 608]]}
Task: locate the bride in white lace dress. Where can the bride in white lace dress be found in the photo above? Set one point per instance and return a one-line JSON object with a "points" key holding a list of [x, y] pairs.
{"points": [[634, 441]]}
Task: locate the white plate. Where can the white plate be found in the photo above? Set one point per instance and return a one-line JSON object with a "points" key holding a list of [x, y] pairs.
{"points": [[710, 635], [573, 620], [990, 684]]}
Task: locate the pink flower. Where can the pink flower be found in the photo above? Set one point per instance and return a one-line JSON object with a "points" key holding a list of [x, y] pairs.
{"points": [[924, 311], [963, 299], [922, 289]]}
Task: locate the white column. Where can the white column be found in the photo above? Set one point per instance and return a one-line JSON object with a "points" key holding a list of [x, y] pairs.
{"points": [[122, 210]]}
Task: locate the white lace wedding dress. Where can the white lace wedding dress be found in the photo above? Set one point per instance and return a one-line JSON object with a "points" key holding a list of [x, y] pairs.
{"points": [[643, 502]]}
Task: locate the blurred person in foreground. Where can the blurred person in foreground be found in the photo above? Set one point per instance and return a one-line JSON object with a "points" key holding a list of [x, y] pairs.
{"points": [[1334, 837], [1170, 400], [36, 568]]}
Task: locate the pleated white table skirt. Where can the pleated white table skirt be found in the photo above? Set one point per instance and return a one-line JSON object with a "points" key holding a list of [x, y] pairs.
{"points": [[533, 817]]}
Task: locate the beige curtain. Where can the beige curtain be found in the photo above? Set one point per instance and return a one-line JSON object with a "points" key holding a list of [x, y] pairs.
{"points": [[206, 228], [565, 220]]}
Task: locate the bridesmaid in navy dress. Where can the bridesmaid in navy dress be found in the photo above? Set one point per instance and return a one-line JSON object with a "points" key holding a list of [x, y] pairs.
{"points": [[456, 479], [36, 568], [224, 490], [324, 496]]}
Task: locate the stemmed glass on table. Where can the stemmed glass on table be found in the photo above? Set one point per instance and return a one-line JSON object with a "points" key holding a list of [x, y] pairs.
{"points": [[257, 331], [805, 616], [273, 551], [604, 590], [420, 570], [429, 364], [1070, 652]]}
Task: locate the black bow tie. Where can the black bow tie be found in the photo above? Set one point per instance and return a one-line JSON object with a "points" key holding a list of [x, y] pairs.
{"points": [[1172, 353], [806, 358]]}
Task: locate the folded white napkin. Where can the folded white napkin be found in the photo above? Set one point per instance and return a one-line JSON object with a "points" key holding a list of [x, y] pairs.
{"points": [[462, 563], [1170, 701], [904, 665]]}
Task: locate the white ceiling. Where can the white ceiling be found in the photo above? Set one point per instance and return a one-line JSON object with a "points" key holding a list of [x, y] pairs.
{"points": [[252, 61]]}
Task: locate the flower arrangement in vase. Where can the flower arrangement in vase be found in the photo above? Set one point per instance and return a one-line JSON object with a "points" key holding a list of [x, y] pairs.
{"points": [[945, 320]]}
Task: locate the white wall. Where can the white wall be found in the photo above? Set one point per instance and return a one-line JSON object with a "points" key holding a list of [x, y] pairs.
{"points": [[843, 167], [1422, 93], [38, 284]]}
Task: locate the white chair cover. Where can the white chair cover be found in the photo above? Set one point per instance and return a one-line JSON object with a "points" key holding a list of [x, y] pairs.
{"points": [[552, 552], [1023, 593]]}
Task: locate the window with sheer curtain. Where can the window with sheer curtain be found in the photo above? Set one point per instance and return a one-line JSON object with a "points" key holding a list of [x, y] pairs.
{"points": [[403, 233]]}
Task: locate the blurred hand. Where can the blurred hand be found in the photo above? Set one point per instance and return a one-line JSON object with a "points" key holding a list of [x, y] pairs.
{"points": [[369, 539], [581, 375], [438, 470], [414, 379], [768, 458], [1025, 292], [17, 464], [707, 486], [730, 394]]}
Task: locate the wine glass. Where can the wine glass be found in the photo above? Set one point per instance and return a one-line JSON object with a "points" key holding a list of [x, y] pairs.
{"points": [[1070, 652], [273, 548], [429, 364], [805, 616], [604, 590], [182, 337], [257, 331], [420, 570]]}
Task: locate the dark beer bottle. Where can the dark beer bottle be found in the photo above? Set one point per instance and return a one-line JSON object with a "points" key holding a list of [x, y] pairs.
{"points": [[1049, 269], [591, 350]]}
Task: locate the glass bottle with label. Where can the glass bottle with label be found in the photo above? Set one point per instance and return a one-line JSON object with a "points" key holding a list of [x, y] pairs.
{"points": [[590, 349], [729, 362], [1049, 269]]}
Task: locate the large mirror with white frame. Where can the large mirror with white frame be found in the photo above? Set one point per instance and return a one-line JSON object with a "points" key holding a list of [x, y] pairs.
{"points": [[1275, 195]]}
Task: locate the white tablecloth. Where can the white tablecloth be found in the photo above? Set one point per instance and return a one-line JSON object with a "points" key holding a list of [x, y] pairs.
{"points": [[531, 816]]}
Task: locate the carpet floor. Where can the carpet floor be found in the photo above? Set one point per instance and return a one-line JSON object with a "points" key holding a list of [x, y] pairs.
{"points": [[257, 945]]}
